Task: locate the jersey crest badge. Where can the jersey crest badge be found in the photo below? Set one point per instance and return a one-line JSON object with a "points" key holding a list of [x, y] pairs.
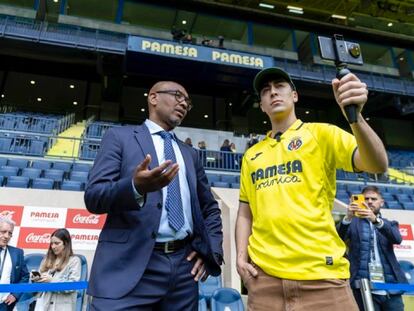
{"points": [[295, 144]]}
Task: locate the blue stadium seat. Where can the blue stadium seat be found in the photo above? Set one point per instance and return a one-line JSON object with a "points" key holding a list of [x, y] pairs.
{"points": [[229, 178], [37, 147], [31, 172], [393, 205], [7, 171], [79, 176], [353, 188], [84, 277], [402, 197], [220, 184], [409, 191], [20, 163], [235, 185], [213, 177], [82, 167], [63, 166], [33, 263], [224, 299], [17, 182], [209, 286], [3, 161], [387, 196], [408, 269], [408, 205], [72, 185], [44, 165], [43, 183], [56, 175], [1, 180], [5, 144], [342, 193], [393, 190]]}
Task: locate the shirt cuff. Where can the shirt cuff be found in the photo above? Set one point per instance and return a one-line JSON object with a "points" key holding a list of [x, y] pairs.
{"points": [[346, 222], [138, 196]]}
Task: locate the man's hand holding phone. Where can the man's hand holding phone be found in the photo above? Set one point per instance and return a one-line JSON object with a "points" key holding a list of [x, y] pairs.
{"points": [[359, 208]]}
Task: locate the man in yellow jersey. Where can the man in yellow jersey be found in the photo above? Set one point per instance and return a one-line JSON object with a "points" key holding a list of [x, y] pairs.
{"points": [[289, 254]]}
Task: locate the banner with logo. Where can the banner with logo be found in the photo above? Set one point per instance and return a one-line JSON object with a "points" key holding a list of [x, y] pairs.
{"points": [[35, 224], [406, 248]]}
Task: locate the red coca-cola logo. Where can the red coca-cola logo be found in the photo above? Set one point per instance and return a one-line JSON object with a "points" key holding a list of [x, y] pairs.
{"points": [[82, 219], [406, 232], [38, 238], [91, 219], [12, 212]]}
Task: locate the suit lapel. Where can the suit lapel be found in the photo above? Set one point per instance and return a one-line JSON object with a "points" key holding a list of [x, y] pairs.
{"points": [[144, 140]]}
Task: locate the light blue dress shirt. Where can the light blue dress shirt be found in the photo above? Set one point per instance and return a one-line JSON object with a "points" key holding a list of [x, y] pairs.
{"points": [[165, 232]]}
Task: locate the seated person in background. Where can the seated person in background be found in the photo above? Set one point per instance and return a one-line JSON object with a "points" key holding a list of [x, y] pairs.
{"points": [[188, 141], [12, 265], [202, 145], [370, 240], [59, 265]]}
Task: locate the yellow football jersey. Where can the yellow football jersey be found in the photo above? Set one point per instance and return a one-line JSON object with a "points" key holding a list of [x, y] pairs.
{"points": [[290, 187]]}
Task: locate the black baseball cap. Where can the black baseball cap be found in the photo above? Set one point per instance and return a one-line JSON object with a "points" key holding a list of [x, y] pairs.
{"points": [[271, 74]]}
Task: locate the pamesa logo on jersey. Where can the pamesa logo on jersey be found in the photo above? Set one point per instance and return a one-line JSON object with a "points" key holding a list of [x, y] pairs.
{"points": [[295, 143]]}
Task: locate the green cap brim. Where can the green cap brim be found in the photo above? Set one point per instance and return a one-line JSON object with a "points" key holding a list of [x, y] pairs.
{"points": [[270, 74]]}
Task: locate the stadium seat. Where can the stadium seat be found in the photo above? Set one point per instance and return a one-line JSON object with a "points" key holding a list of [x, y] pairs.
{"points": [[1, 180], [408, 269], [44, 165], [225, 299], [393, 205], [79, 176], [63, 166], [56, 175], [5, 144], [7, 171], [220, 184], [84, 277], [353, 188], [81, 167], [229, 178], [3, 161], [20, 163], [33, 263], [208, 287], [408, 205], [235, 185], [17, 182], [402, 197], [31, 172], [72, 185], [43, 183], [213, 178]]}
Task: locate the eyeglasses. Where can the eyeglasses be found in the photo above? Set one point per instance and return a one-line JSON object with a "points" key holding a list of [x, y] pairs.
{"points": [[179, 97]]}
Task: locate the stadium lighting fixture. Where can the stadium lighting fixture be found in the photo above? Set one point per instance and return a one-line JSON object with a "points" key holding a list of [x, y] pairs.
{"points": [[39, 99], [75, 103], [307, 112], [184, 22], [32, 82], [230, 104], [264, 122], [367, 118], [2, 95], [55, 1], [145, 94], [206, 116], [338, 16], [266, 6], [296, 8], [295, 11], [401, 58], [143, 109], [72, 86], [389, 24]]}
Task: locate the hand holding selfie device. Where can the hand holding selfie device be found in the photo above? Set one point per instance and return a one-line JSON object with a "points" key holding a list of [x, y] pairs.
{"points": [[342, 53], [359, 199]]}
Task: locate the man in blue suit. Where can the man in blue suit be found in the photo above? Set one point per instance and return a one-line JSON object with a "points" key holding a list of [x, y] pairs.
{"points": [[163, 230], [12, 266], [370, 240]]}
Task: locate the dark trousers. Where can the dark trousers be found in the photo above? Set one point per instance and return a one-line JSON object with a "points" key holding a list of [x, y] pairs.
{"points": [[381, 302], [166, 285]]}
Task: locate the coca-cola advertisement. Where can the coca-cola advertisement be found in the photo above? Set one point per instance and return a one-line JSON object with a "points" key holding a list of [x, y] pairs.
{"points": [[44, 217], [406, 232], [12, 212], [80, 218], [38, 238]]}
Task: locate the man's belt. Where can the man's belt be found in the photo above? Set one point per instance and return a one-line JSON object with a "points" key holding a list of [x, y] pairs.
{"points": [[171, 246]]}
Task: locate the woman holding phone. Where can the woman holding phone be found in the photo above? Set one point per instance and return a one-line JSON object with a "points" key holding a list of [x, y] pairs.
{"points": [[59, 265]]}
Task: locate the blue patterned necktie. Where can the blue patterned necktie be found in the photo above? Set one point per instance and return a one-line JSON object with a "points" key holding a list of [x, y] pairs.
{"points": [[173, 203]]}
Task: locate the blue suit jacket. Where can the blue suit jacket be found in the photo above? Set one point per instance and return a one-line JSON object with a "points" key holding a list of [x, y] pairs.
{"points": [[128, 236], [387, 236], [19, 273]]}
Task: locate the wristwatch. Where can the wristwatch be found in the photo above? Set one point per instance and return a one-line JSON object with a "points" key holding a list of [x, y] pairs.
{"points": [[376, 221]]}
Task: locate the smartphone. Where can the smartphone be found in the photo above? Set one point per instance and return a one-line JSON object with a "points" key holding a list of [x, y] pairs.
{"points": [[359, 199], [35, 273]]}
